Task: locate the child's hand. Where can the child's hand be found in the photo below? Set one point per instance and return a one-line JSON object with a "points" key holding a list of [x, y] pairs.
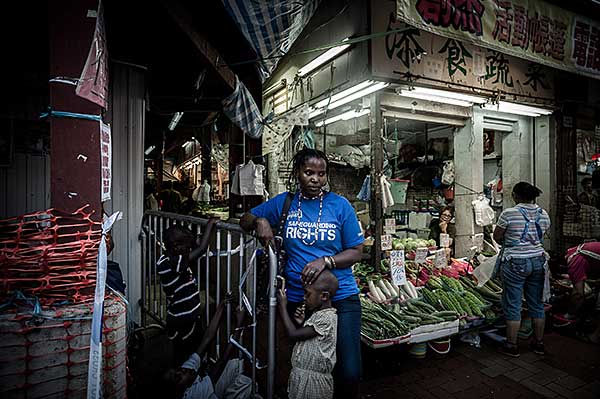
{"points": [[299, 315], [282, 297]]}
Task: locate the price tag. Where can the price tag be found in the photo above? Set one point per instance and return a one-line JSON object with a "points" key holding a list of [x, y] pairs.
{"points": [[421, 255], [444, 240], [386, 242], [390, 223], [440, 259], [397, 267], [478, 241]]}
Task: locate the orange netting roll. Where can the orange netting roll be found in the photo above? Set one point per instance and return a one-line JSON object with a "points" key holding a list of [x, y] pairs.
{"points": [[50, 254]]}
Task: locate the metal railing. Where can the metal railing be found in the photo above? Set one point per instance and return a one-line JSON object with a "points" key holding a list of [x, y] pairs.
{"points": [[229, 263]]}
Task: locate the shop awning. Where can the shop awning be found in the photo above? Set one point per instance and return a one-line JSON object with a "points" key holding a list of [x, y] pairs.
{"points": [[530, 29], [271, 26]]}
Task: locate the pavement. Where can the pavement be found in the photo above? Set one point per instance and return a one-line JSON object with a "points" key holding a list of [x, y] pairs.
{"points": [[570, 369]]}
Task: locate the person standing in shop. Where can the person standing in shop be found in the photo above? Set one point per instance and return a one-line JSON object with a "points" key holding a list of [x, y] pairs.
{"points": [[321, 231], [521, 231]]}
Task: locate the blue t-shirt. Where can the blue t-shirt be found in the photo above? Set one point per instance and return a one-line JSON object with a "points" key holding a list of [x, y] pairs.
{"points": [[337, 231]]}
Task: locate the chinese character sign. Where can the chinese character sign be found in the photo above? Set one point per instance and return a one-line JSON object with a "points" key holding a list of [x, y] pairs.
{"points": [[444, 60], [529, 29], [105, 162]]}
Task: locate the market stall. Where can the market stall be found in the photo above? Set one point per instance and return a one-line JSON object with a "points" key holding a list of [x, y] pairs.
{"points": [[417, 294]]}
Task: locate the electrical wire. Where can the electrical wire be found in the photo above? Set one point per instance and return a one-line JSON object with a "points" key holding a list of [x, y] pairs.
{"points": [[355, 40]]}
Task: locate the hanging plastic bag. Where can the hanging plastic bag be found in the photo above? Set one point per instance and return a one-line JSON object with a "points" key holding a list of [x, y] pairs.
{"points": [[448, 173], [546, 294], [484, 214], [485, 270]]}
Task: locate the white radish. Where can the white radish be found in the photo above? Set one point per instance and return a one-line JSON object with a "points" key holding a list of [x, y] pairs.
{"points": [[384, 289], [373, 291], [412, 289], [392, 287], [381, 294]]}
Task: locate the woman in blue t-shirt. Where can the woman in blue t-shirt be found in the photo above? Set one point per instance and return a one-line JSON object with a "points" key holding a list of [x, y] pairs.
{"points": [[321, 231]]}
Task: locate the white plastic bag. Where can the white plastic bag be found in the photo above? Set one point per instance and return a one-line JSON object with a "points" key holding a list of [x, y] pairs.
{"points": [[485, 270], [484, 214], [546, 294], [448, 173]]}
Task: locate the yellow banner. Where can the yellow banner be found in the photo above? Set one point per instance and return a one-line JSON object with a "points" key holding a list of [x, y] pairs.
{"points": [[529, 29]]}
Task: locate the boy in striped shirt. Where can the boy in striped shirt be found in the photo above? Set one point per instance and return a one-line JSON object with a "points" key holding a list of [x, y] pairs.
{"points": [[181, 288]]}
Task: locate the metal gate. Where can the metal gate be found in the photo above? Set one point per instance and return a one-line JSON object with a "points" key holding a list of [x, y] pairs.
{"points": [[229, 265]]}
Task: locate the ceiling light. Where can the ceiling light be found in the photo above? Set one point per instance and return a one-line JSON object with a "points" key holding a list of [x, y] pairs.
{"points": [[149, 149], [343, 117], [323, 58], [348, 95], [431, 97], [518, 109], [448, 94], [176, 117]]}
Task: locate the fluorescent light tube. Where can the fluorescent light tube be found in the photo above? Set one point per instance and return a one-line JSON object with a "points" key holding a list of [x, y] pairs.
{"points": [[149, 149], [447, 94], [343, 117], [322, 59], [431, 97], [518, 109], [344, 97], [175, 120]]}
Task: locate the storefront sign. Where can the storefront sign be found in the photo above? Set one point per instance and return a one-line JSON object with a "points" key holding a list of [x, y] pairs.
{"points": [[93, 83], [105, 162], [386, 242], [397, 267], [531, 29], [421, 255], [442, 60]]}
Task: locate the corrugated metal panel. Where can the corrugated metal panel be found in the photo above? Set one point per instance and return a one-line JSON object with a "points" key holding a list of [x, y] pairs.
{"points": [[128, 124], [25, 186]]}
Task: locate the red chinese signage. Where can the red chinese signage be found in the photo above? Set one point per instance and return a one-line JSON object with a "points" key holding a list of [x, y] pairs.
{"points": [[529, 29]]}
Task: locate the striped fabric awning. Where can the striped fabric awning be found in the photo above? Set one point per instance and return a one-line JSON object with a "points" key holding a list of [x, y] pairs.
{"points": [[242, 110], [271, 26]]}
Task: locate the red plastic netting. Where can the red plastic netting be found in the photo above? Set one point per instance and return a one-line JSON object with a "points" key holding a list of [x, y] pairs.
{"points": [[50, 254]]}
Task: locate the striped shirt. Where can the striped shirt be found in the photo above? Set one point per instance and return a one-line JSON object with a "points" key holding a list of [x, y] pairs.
{"points": [[179, 285], [512, 220]]}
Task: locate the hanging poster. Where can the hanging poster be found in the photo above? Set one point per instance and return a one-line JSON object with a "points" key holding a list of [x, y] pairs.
{"points": [[93, 82], [105, 162], [530, 29]]}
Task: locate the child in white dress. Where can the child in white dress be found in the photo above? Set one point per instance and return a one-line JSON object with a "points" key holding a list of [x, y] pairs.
{"points": [[314, 356]]}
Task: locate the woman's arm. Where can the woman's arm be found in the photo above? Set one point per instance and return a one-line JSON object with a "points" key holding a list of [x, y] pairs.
{"points": [[295, 334], [499, 234], [261, 226], [343, 260]]}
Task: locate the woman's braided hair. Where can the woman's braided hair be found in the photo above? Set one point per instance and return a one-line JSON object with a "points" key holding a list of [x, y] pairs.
{"points": [[300, 159]]}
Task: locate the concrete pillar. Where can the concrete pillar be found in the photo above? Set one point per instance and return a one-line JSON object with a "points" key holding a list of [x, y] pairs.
{"points": [[74, 182], [544, 172], [468, 164]]}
